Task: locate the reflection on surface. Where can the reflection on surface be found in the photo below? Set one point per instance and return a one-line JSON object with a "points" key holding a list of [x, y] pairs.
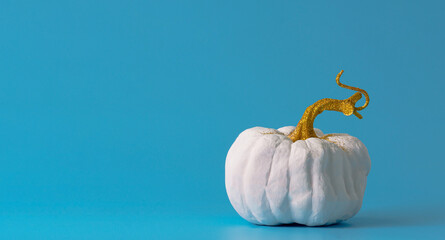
{"points": [[411, 223], [407, 223]]}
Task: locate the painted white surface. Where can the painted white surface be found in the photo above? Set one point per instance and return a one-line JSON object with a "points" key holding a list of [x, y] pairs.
{"points": [[270, 180]]}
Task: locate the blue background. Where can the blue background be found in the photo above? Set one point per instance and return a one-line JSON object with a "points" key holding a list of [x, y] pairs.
{"points": [[116, 116]]}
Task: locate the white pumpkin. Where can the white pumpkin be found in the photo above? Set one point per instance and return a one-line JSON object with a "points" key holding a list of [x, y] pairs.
{"points": [[299, 175]]}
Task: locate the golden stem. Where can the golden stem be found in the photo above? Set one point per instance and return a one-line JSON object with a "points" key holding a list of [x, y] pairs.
{"points": [[305, 127]]}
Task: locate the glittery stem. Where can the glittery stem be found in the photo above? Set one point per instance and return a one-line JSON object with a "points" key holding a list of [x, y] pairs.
{"points": [[305, 127]]}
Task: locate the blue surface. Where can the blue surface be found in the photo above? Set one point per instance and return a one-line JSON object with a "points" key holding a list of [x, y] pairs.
{"points": [[116, 116]]}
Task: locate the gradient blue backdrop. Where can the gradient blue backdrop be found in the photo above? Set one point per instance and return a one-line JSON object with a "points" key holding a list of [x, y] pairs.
{"points": [[116, 116]]}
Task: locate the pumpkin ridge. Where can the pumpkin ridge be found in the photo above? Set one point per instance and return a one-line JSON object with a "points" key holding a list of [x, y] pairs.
{"points": [[310, 160], [281, 206], [330, 160], [330, 175], [284, 207], [355, 188], [288, 177], [347, 173], [271, 163], [244, 203], [249, 163], [267, 201]]}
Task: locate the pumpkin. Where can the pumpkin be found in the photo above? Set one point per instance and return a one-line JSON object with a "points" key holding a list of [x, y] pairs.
{"points": [[298, 174]]}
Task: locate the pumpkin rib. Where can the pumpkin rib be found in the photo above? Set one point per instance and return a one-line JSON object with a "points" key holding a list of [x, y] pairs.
{"points": [[356, 187], [285, 207], [307, 163], [288, 178], [267, 200], [347, 175], [249, 165], [246, 206], [278, 205], [310, 160], [277, 143], [243, 200]]}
